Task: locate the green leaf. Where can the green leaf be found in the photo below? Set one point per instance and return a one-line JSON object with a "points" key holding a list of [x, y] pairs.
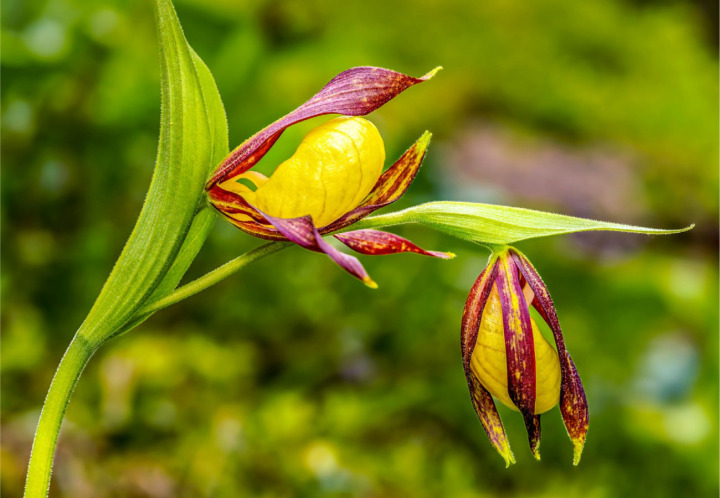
{"points": [[205, 217], [193, 139], [195, 239], [215, 113], [498, 225]]}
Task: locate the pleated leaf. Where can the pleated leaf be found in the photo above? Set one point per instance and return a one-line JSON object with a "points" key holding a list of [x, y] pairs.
{"points": [[499, 225], [193, 138]]}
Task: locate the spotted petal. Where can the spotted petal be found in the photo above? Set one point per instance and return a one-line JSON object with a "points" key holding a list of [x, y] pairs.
{"points": [[240, 213], [519, 347], [378, 243], [481, 398], [573, 403], [302, 231], [391, 185], [355, 92]]}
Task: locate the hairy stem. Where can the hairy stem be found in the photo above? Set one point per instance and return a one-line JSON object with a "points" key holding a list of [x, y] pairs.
{"points": [[382, 220], [63, 383], [209, 279], [78, 354]]}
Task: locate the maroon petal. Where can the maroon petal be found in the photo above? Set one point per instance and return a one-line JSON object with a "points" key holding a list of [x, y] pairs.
{"points": [[378, 243], [481, 398], [532, 426], [355, 92], [490, 418], [519, 347], [254, 228], [472, 313], [391, 185], [241, 214], [302, 231], [573, 403]]}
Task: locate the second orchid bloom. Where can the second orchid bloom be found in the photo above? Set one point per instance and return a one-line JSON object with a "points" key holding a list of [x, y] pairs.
{"points": [[506, 356], [334, 179]]}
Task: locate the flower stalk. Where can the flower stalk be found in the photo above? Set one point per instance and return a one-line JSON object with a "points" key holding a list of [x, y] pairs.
{"points": [[81, 350], [208, 280], [71, 366]]}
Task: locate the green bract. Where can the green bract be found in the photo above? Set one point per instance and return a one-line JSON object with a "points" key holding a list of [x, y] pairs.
{"points": [[171, 227], [193, 138], [498, 225]]}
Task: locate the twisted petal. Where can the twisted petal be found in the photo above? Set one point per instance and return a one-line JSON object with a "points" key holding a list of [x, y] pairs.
{"points": [[490, 418], [355, 92], [302, 231], [481, 398], [391, 185], [243, 215], [472, 313], [378, 243], [573, 403], [519, 347]]}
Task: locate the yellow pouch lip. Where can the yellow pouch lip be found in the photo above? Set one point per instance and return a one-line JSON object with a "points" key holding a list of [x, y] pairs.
{"points": [[489, 361], [334, 168]]}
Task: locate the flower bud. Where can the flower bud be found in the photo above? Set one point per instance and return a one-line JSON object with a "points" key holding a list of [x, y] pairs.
{"points": [[506, 356]]}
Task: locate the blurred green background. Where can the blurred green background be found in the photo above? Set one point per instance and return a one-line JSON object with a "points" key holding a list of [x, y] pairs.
{"points": [[291, 378]]}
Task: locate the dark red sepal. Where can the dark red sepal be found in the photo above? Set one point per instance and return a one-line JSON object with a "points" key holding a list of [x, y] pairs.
{"points": [[519, 346], [355, 92], [303, 232], [481, 399], [379, 243], [573, 403]]}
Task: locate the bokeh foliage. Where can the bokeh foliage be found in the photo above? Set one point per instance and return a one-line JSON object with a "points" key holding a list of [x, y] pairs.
{"points": [[291, 379]]}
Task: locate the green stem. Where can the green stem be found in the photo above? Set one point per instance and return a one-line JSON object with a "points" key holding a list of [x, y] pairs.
{"points": [[78, 354], [383, 220], [210, 279], [43, 450]]}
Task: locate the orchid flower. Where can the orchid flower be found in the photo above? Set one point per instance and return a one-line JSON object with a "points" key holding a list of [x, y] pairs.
{"points": [[506, 356], [334, 179]]}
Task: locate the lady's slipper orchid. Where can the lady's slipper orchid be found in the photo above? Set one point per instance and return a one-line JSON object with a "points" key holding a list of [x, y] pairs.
{"points": [[334, 179], [506, 356]]}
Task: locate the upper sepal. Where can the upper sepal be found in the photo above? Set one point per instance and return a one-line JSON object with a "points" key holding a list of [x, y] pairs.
{"points": [[355, 92]]}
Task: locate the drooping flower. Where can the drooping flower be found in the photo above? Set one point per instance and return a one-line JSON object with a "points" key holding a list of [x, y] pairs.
{"points": [[506, 356], [334, 179]]}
